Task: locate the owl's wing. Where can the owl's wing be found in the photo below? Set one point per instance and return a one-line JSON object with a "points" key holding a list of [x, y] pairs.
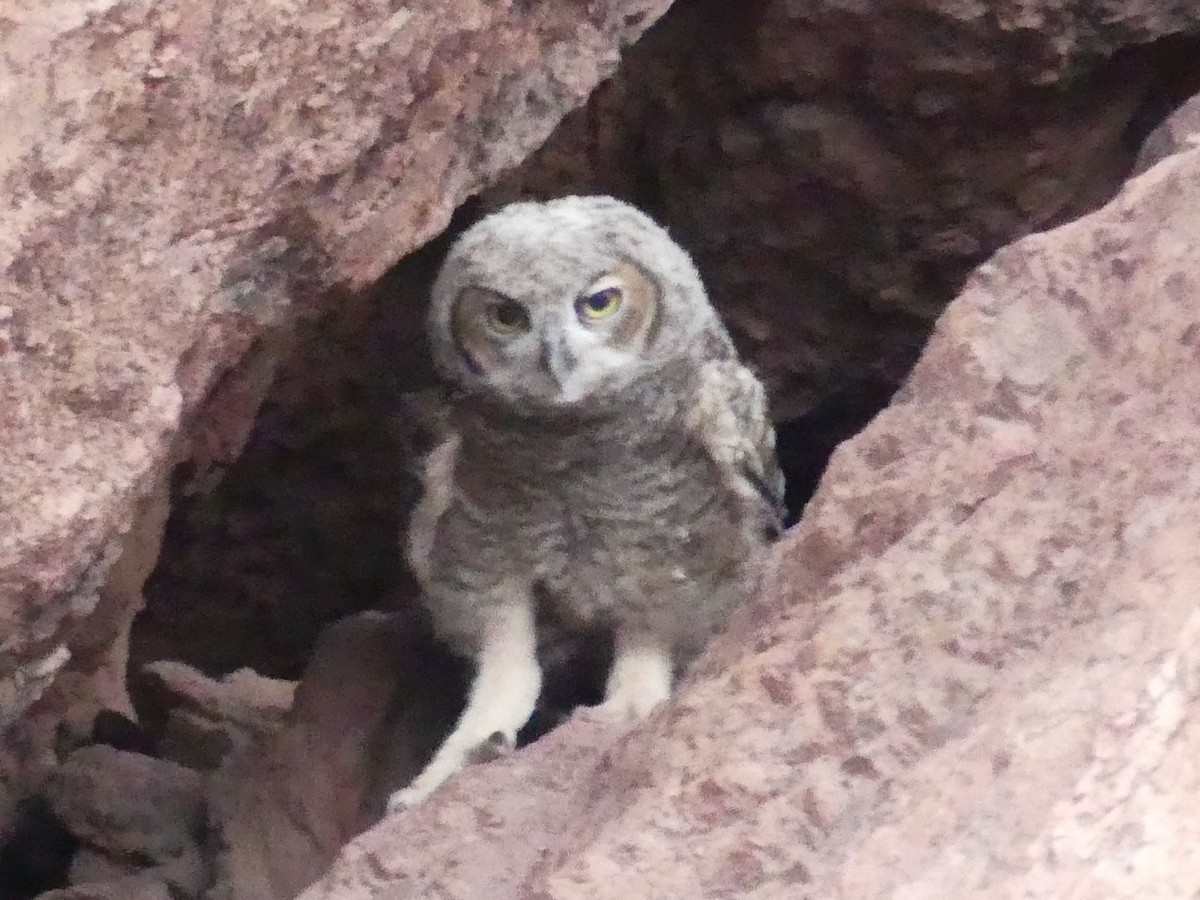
{"points": [[731, 421]]}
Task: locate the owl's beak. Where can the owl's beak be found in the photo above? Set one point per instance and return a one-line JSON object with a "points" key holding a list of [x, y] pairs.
{"points": [[556, 361]]}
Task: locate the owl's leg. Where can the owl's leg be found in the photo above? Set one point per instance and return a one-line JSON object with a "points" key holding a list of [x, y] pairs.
{"points": [[640, 677], [501, 699]]}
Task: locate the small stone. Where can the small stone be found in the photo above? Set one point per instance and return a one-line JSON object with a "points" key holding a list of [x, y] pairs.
{"points": [[90, 866], [128, 804], [131, 887]]}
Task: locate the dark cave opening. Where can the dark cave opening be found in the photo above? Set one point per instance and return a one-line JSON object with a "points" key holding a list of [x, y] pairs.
{"points": [[37, 855]]}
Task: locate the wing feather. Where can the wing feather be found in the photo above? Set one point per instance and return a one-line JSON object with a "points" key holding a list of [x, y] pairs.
{"points": [[730, 419]]}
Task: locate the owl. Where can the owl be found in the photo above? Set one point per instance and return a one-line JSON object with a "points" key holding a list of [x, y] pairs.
{"points": [[607, 455]]}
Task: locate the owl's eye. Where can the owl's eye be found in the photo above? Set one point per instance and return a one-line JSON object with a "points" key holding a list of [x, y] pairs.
{"points": [[507, 317], [599, 304]]}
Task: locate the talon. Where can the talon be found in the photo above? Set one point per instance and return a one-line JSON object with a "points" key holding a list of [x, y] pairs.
{"points": [[623, 709], [402, 800], [497, 745]]}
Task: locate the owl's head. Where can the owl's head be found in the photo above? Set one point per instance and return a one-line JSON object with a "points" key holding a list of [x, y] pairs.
{"points": [[563, 302]]}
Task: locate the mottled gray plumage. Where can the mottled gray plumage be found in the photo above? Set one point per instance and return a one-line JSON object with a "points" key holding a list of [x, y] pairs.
{"points": [[606, 450]]}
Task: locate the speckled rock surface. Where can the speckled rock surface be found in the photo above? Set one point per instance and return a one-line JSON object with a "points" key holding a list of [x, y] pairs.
{"points": [[134, 887], [973, 669], [179, 180], [129, 804], [838, 168]]}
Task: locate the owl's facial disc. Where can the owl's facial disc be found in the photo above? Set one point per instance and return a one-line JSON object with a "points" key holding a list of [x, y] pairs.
{"points": [[599, 340], [579, 363], [558, 351], [620, 308]]}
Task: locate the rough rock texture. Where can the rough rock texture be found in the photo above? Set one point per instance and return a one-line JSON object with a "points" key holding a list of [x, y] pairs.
{"points": [[133, 887], [837, 168], [182, 178], [128, 804], [201, 721], [974, 667], [98, 651], [373, 703], [289, 783]]}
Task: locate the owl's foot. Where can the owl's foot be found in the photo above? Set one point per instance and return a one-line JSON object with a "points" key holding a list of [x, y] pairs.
{"points": [[404, 799], [640, 677], [501, 700], [496, 745]]}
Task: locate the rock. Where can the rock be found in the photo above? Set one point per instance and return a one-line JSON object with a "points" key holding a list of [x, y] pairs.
{"points": [[133, 887], [90, 866], [128, 804], [374, 701], [837, 170], [187, 875], [185, 180], [973, 665], [494, 827], [198, 742], [207, 718], [141, 821], [89, 665]]}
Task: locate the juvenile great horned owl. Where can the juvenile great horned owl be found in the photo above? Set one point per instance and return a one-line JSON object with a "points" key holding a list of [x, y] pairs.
{"points": [[606, 451]]}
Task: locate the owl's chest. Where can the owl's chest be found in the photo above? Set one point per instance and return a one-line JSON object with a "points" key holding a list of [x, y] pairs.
{"points": [[591, 493], [619, 513], [597, 531]]}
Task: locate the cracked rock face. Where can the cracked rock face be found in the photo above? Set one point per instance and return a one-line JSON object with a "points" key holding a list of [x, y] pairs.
{"points": [[973, 668]]}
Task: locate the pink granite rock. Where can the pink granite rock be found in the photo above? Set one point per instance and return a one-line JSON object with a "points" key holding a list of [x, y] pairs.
{"points": [[128, 804], [973, 668]]}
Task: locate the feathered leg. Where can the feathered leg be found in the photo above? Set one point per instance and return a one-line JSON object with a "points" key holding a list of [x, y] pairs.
{"points": [[501, 700], [640, 677]]}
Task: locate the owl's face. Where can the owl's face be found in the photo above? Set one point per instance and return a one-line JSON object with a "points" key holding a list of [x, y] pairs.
{"points": [[561, 345], [558, 303]]}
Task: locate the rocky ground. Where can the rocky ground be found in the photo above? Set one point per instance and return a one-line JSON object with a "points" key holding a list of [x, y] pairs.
{"points": [[971, 669]]}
